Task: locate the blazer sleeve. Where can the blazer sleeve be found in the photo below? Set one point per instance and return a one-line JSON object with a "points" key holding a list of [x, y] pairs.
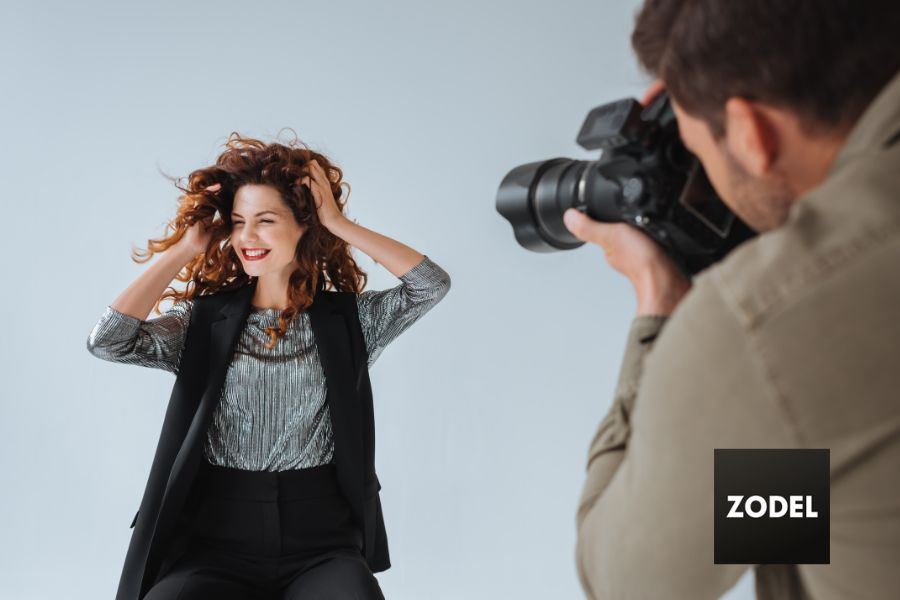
{"points": [[385, 314], [156, 343]]}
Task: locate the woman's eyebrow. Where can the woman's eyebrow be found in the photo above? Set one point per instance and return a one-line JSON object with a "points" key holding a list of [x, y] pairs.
{"points": [[234, 214]]}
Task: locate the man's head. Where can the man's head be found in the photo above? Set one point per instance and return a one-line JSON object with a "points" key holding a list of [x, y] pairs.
{"points": [[766, 91]]}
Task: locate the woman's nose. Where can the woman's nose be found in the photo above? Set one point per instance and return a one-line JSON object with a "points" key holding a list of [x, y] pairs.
{"points": [[249, 234]]}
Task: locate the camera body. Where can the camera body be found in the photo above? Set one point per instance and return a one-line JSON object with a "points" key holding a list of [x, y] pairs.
{"points": [[645, 176]]}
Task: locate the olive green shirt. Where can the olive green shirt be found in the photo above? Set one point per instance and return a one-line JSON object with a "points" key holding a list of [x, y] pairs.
{"points": [[792, 341]]}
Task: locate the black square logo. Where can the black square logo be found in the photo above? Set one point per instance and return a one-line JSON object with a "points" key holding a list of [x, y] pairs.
{"points": [[772, 506]]}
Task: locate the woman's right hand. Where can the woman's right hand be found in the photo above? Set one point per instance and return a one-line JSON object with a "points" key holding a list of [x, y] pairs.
{"points": [[197, 237], [199, 234]]}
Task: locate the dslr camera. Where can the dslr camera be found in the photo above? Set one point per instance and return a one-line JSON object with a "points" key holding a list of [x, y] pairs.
{"points": [[645, 176]]}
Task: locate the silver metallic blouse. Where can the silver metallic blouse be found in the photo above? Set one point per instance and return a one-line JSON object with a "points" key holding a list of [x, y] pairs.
{"points": [[272, 415]]}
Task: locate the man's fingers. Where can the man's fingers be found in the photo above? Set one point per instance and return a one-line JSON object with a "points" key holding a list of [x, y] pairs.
{"points": [[587, 229], [655, 89]]}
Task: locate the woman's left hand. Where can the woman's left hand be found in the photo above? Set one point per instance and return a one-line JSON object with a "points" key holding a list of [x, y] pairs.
{"points": [[320, 186]]}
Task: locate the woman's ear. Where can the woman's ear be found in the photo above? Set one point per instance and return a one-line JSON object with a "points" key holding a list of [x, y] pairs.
{"points": [[751, 135]]}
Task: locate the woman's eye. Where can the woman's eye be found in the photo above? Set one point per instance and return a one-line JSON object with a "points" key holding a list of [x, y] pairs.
{"points": [[236, 223]]}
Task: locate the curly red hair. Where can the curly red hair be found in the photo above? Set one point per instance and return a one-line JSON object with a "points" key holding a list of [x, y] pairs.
{"points": [[325, 260]]}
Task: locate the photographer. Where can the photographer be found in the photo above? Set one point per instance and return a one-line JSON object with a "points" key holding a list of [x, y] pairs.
{"points": [[791, 341]]}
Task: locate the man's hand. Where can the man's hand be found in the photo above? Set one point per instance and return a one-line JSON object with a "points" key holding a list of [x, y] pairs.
{"points": [[659, 284]]}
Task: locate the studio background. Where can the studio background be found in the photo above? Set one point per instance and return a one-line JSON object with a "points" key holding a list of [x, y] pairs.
{"points": [[425, 106]]}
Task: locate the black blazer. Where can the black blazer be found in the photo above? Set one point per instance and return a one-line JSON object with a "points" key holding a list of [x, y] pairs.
{"points": [[213, 332]]}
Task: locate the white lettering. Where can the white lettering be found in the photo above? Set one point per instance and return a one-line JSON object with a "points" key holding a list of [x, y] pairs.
{"points": [[755, 514], [774, 512], [734, 513], [773, 507], [809, 511]]}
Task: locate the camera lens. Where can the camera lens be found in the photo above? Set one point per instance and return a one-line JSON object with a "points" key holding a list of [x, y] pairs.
{"points": [[533, 198]]}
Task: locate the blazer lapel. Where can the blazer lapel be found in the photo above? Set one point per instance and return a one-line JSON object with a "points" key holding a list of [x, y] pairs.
{"points": [[223, 336], [224, 329], [333, 344], [223, 333]]}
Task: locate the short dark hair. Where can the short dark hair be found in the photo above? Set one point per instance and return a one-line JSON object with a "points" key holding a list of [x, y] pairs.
{"points": [[825, 60]]}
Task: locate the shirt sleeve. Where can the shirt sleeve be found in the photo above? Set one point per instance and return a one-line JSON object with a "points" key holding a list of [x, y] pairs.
{"points": [[156, 343], [385, 314], [645, 515], [607, 448]]}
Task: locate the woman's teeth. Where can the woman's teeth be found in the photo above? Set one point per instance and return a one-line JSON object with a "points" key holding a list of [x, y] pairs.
{"points": [[255, 254]]}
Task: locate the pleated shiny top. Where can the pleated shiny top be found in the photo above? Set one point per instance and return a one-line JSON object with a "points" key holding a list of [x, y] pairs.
{"points": [[272, 415]]}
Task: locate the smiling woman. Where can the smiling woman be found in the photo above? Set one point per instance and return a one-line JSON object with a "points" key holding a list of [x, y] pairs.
{"points": [[270, 185], [264, 479]]}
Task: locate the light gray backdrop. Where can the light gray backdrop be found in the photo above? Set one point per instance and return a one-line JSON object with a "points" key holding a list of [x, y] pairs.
{"points": [[426, 106]]}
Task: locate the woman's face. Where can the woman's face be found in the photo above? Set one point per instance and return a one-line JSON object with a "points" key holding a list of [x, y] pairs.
{"points": [[262, 222]]}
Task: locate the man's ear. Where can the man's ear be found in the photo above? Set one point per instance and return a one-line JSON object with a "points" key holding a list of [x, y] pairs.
{"points": [[750, 135]]}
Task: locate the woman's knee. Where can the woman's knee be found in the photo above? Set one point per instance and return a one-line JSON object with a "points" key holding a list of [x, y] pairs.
{"points": [[337, 578]]}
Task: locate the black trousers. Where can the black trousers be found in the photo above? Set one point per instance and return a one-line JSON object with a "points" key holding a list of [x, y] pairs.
{"points": [[285, 535]]}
